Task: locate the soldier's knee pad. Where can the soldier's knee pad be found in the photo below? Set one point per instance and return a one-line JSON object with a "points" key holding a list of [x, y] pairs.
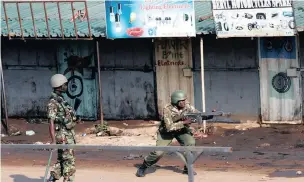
{"points": [[191, 142]]}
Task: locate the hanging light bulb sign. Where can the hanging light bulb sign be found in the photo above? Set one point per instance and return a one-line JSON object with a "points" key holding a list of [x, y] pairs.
{"points": [[157, 18]]}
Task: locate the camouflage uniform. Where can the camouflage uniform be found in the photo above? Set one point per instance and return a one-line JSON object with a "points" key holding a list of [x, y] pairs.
{"points": [[171, 128], [64, 118]]}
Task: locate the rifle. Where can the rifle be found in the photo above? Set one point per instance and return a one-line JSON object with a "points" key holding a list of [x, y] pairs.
{"points": [[76, 106], [210, 117]]}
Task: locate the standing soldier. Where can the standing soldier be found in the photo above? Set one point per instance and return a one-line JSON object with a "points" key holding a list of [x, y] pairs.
{"points": [[62, 118], [172, 126]]}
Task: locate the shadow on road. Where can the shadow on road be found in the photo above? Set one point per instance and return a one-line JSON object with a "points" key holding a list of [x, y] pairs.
{"points": [[22, 178], [286, 174], [153, 168]]}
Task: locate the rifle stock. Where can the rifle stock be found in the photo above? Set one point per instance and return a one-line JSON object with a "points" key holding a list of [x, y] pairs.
{"points": [[76, 106]]}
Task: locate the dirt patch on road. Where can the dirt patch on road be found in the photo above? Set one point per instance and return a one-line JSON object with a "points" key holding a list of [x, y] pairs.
{"points": [[246, 136], [255, 148]]}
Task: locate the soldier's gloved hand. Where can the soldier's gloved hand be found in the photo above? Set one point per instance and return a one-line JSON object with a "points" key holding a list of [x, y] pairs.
{"points": [[187, 121]]}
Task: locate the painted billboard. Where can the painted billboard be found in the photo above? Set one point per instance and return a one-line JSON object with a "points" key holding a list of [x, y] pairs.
{"points": [[149, 18], [253, 18]]}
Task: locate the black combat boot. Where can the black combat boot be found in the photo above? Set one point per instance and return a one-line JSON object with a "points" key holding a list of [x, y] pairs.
{"points": [[51, 179], [141, 170], [185, 171]]}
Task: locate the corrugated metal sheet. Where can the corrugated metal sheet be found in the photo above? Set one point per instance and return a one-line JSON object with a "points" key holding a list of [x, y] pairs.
{"points": [[276, 107], [231, 75], [128, 89], [203, 16], [127, 79], [85, 75], [298, 8], [28, 67], [172, 56], [96, 11]]}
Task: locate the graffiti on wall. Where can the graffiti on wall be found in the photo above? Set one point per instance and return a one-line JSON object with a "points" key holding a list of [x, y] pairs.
{"points": [[76, 64], [278, 44], [171, 52], [280, 82], [279, 48], [80, 15]]}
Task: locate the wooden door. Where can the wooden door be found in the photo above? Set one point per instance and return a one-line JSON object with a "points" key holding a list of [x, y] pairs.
{"points": [[173, 62]]}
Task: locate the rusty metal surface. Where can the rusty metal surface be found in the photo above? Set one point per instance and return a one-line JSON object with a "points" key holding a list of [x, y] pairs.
{"points": [[99, 83], [88, 18], [6, 20], [33, 19], [20, 22], [59, 22], [73, 17], [3, 95], [46, 20]]}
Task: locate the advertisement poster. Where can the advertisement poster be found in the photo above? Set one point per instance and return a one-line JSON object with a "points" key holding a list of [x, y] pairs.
{"points": [[149, 18], [253, 18]]}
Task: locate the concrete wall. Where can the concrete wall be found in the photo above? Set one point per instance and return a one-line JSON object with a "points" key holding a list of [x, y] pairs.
{"points": [[28, 67], [231, 75]]}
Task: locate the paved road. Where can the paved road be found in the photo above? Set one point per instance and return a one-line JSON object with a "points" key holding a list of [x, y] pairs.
{"points": [[34, 174], [111, 166]]}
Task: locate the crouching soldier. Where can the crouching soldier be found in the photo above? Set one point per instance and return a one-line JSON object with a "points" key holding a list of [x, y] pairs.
{"points": [[171, 128]]}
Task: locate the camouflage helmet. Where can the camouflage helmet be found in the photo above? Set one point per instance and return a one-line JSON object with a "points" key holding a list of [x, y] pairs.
{"points": [[178, 95]]}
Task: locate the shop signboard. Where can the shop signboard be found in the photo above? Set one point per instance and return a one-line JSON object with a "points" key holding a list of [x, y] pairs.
{"points": [[149, 18], [253, 18]]}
